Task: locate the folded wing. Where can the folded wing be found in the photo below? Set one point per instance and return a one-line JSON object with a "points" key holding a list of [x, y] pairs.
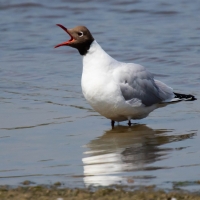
{"points": [[136, 82]]}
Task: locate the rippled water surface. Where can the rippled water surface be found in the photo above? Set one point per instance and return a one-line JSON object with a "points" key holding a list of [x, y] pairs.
{"points": [[48, 132]]}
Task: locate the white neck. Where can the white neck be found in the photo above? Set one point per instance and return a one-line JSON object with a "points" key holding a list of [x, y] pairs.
{"points": [[97, 59]]}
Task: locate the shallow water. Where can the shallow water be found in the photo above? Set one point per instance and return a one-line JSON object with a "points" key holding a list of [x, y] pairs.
{"points": [[49, 133]]}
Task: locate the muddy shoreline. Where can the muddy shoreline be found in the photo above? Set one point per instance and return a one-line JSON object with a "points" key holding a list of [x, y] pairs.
{"points": [[55, 192]]}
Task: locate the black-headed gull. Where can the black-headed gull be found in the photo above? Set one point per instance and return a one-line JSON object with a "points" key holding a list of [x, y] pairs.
{"points": [[118, 91]]}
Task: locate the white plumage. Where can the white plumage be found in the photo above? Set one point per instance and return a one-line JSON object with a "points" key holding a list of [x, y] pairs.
{"points": [[120, 91]]}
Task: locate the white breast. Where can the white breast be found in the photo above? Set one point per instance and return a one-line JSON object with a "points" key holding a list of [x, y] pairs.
{"points": [[102, 94], [98, 87]]}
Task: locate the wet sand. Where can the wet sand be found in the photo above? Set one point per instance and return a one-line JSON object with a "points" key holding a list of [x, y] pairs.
{"points": [[55, 193]]}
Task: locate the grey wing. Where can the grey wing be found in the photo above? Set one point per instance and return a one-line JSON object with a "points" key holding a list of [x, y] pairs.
{"points": [[137, 83]]}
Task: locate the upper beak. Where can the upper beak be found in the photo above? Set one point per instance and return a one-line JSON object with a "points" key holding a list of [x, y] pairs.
{"points": [[67, 42]]}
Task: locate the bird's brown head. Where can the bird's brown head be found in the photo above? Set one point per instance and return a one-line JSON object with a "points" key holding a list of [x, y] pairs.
{"points": [[81, 38]]}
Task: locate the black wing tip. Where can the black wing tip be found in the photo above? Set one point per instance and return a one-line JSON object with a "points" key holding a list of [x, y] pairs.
{"points": [[187, 97]]}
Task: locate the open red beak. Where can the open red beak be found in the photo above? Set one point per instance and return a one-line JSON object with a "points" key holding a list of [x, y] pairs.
{"points": [[67, 42]]}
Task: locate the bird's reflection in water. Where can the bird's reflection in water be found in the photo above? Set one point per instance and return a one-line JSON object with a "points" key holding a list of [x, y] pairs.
{"points": [[123, 150]]}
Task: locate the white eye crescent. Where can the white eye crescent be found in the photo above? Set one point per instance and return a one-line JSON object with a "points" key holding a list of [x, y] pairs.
{"points": [[80, 34]]}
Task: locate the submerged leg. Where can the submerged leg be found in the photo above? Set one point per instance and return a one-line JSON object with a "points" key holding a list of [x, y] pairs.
{"points": [[129, 122], [112, 123]]}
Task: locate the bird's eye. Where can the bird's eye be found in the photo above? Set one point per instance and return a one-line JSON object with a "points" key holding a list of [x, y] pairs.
{"points": [[80, 34]]}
